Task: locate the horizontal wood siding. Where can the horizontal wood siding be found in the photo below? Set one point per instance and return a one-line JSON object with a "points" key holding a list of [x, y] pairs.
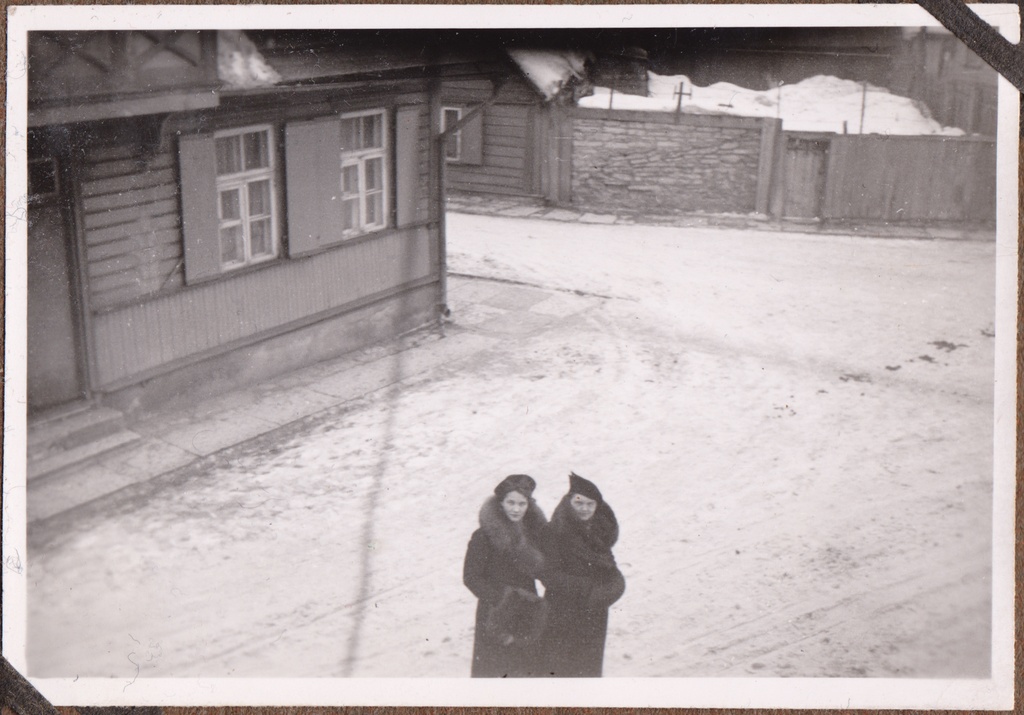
{"points": [[145, 321], [898, 178], [507, 154], [515, 90], [209, 318], [131, 224]]}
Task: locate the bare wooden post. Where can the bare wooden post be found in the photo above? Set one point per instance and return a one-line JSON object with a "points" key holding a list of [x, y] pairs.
{"points": [[678, 94], [863, 105]]}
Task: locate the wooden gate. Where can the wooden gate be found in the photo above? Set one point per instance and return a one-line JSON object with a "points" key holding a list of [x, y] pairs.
{"points": [[805, 163]]}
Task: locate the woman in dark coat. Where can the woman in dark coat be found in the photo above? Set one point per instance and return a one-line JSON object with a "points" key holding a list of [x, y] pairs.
{"points": [[581, 580], [502, 562]]}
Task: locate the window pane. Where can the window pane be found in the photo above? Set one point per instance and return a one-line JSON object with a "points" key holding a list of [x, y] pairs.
{"points": [[229, 155], [349, 134], [231, 250], [374, 174], [350, 179], [259, 198], [375, 208], [229, 204], [372, 131], [257, 150], [260, 236], [349, 214], [451, 117]]}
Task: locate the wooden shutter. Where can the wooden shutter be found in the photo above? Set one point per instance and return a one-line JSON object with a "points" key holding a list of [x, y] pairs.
{"points": [[197, 164], [313, 184], [473, 140], [410, 182]]}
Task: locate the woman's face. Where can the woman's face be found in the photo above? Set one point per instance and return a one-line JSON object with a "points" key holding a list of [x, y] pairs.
{"points": [[583, 507], [514, 505]]}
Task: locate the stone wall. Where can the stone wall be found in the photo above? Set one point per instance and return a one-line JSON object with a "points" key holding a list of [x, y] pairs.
{"points": [[629, 161]]}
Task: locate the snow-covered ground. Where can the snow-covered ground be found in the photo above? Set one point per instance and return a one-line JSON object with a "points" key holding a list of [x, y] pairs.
{"points": [[795, 431], [816, 104]]}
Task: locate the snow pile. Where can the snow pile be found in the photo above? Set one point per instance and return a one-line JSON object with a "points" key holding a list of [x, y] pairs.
{"points": [[817, 104], [550, 70], [240, 65]]}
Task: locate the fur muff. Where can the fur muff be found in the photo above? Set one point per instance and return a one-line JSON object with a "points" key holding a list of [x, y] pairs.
{"points": [[519, 617], [515, 539]]}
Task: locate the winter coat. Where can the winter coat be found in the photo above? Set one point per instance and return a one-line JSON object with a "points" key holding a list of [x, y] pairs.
{"points": [[502, 561], [581, 582]]}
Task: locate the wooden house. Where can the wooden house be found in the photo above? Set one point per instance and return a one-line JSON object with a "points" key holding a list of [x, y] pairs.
{"points": [[519, 143], [959, 88], [205, 213]]}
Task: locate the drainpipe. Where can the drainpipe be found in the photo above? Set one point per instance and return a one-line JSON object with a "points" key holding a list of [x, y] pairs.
{"points": [[442, 239]]}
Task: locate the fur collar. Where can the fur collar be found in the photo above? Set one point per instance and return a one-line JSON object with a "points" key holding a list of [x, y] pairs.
{"points": [[517, 540]]}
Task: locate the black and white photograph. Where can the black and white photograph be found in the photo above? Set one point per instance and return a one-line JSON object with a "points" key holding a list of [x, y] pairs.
{"points": [[663, 356]]}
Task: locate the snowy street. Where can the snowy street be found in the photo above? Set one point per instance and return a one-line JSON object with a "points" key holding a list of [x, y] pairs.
{"points": [[794, 430]]}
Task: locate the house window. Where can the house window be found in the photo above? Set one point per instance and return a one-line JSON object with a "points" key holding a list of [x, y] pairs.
{"points": [[246, 196], [364, 175], [325, 180], [450, 116]]}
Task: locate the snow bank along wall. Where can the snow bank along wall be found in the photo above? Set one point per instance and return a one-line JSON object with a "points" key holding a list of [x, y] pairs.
{"points": [[633, 162]]}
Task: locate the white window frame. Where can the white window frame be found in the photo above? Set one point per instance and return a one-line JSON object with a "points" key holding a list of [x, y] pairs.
{"points": [[456, 138], [359, 158], [240, 181]]}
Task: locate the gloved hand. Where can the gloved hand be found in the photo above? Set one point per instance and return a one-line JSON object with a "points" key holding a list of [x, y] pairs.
{"points": [[528, 595]]}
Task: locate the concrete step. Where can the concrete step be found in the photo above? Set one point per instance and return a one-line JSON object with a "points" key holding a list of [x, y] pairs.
{"points": [[57, 432], [57, 462], [73, 436]]}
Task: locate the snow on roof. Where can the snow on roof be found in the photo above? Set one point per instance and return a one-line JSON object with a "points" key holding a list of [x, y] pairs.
{"points": [[549, 70], [240, 65], [819, 104]]}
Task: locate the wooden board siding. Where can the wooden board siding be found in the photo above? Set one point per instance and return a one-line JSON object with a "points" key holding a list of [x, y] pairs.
{"points": [[510, 161], [516, 90], [200, 321], [145, 321], [507, 166], [131, 225], [900, 178]]}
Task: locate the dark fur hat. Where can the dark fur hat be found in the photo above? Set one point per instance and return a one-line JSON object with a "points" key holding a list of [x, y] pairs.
{"points": [[584, 487], [522, 483]]}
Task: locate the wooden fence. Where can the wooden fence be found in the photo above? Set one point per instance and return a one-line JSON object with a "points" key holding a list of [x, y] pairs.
{"points": [[600, 160], [892, 179]]}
